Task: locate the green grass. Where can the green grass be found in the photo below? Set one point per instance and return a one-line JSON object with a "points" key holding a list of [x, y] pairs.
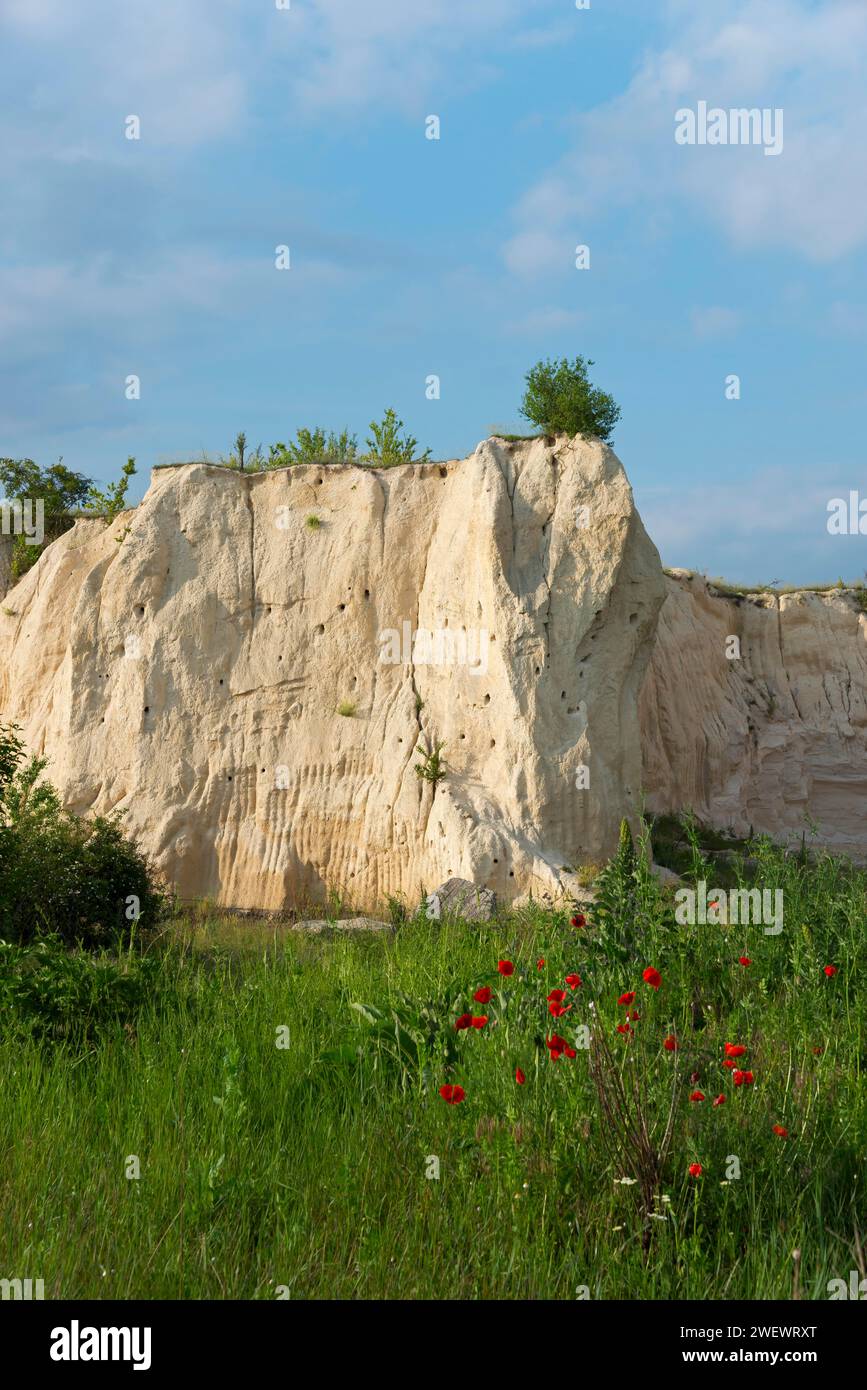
{"points": [[305, 1166]]}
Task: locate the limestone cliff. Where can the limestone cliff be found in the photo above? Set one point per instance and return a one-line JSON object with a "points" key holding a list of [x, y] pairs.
{"points": [[770, 739], [188, 664]]}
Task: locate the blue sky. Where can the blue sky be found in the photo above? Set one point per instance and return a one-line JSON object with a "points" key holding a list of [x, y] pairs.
{"points": [[306, 127]]}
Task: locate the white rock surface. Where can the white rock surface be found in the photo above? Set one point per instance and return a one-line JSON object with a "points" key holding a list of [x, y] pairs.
{"points": [[766, 740], [191, 674]]}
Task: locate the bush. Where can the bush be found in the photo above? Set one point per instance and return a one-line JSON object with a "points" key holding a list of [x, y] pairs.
{"points": [[314, 446], [58, 995], [387, 449], [561, 400], [82, 880]]}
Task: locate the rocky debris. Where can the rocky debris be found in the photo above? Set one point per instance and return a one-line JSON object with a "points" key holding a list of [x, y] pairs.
{"points": [[334, 930], [458, 898]]}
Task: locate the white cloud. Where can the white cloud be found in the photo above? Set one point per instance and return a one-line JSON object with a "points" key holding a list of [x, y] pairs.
{"points": [[715, 322], [807, 59]]}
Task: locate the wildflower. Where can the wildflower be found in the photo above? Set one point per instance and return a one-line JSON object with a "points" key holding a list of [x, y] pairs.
{"points": [[505, 967], [452, 1095], [480, 1021], [781, 1130], [628, 997], [556, 1046], [624, 1028], [743, 1078], [626, 1182], [635, 1015], [734, 1050], [556, 996], [817, 1051], [519, 1076], [671, 1044], [830, 970], [720, 1100], [744, 960], [465, 1021], [652, 977], [694, 1077], [695, 1170], [579, 920], [557, 1010], [540, 962], [730, 1063], [697, 1095], [573, 981], [482, 995]]}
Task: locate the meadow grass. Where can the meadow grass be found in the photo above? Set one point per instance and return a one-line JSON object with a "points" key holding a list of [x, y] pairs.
{"points": [[308, 1167]]}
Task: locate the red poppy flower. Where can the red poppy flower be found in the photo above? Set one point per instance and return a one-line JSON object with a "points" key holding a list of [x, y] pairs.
{"points": [[744, 960], [743, 1078], [573, 981], [830, 970], [624, 1028], [628, 997], [652, 977], [465, 1021], [730, 1064], [556, 1046], [482, 995], [635, 1015], [697, 1095], [720, 1100], [540, 962], [734, 1050], [817, 1051], [695, 1170], [671, 1044], [452, 1095], [557, 996], [480, 1021], [505, 967], [558, 1010], [781, 1130], [519, 1076], [579, 920]]}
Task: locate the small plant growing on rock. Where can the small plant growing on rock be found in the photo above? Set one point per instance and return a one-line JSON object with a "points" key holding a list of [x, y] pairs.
{"points": [[432, 767], [112, 502], [347, 708], [387, 448], [314, 446], [313, 523]]}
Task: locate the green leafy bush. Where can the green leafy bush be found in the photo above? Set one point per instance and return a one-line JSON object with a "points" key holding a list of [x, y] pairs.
{"points": [[314, 446], [388, 448], [82, 880], [111, 503], [59, 995], [561, 400]]}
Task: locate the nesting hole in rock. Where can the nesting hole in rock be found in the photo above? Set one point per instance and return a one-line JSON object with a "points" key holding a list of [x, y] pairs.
{"points": [[140, 610], [341, 606], [633, 617], [487, 699], [493, 743], [444, 472], [279, 659], [147, 709], [320, 629], [367, 593]]}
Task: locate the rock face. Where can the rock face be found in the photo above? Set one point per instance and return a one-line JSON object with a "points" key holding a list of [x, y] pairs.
{"points": [[769, 739], [246, 665]]}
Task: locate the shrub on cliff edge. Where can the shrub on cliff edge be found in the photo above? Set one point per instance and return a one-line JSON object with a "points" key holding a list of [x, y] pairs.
{"points": [[560, 399]]}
